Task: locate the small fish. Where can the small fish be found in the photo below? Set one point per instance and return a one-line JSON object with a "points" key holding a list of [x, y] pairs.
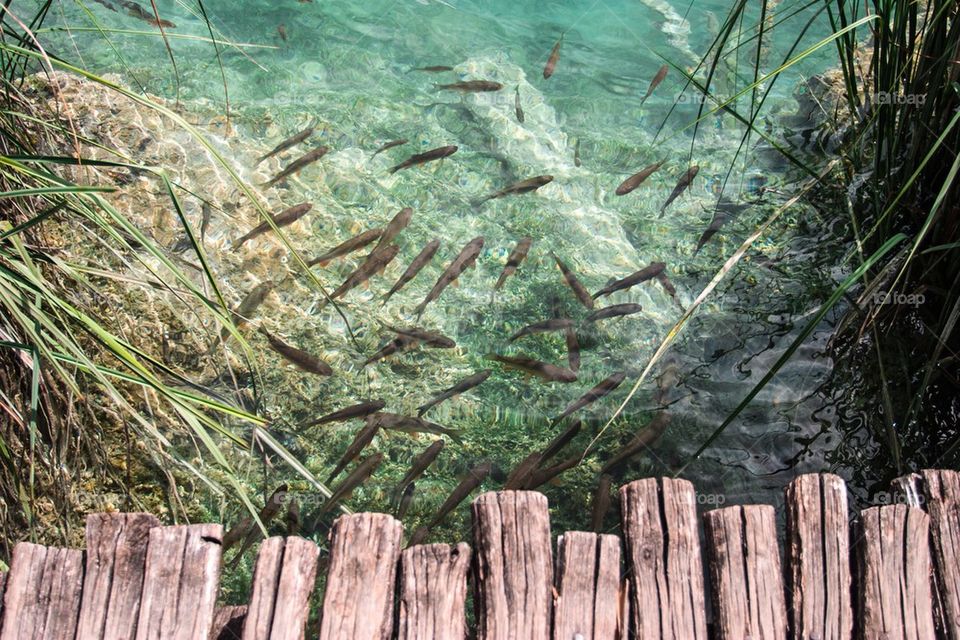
{"points": [[516, 106], [292, 517], [669, 377], [390, 145], [270, 509], [542, 476], [517, 480], [409, 424], [406, 500], [429, 338], [544, 370], [423, 259], [282, 32], [601, 503], [397, 224], [546, 326], [474, 477], [551, 65], [286, 217], [372, 266], [237, 532], [614, 311], [682, 184], [360, 441], [359, 474], [419, 465], [562, 440], [286, 144], [244, 311], [513, 261], [638, 178], [576, 153], [434, 68], [397, 344], [137, 11], [471, 86], [419, 536], [647, 273], [426, 156], [578, 289], [360, 410], [724, 212], [302, 359], [641, 441], [346, 247], [524, 186], [205, 215], [460, 387], [573, 349], [107, 4], [669, 288], [657, 79], [600, 390], [308, 158], [465, 259]]}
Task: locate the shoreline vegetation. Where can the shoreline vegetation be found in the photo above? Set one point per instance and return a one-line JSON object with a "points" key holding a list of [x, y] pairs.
{"points": [[132, 357]]}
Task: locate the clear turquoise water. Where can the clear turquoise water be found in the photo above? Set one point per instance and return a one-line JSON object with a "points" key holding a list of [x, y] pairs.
{"points": [[347, 65]]}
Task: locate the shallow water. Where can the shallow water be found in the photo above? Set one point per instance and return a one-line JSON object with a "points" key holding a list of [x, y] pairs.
{"points": [[347, 66]]}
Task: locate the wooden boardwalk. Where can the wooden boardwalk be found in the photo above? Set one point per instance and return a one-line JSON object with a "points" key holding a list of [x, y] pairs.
{"points": [[896, 578]]}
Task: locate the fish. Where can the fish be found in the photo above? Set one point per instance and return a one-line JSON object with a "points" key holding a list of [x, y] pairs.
{"points": [[551, 65], [471, 86], [360, 410], [578, 289], [346, 247], [601, 503], [360, 441], [614, 311], [682, 184], [647, 436], [724, 212], [544, 370], [395, 345], [308, 158], [390, 145], [466, 384], [237, 532], [561, 440], [372, 266], [205, 215], [282, 32], [513, 260], [603, 388], [650, 271], [406, 500], [573, 349], [270, 509], [524, 186], [107, 4], [409, 424], [285, 218], [465, 259], [292, 517], [423, 259], [517, 480], [542, 476], [248, 305], [657, 79], [420, 463], [474, 477], [303, 360], [669, 288], [576, 153], [419, 536], [292, 141], [638, 178], [397, 224], [429, 338], [434, 68], [516, 106], [546, 326], [669, 378], [426, 156], [357, 477], [137, 11]]}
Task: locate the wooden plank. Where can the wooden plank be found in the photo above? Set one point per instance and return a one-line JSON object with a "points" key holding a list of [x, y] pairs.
{"points": [[895, 570], [588, 587], [745, 573], [364, 552], [663, 559], [228, 622], [942, 491], [283, 581], [116, 558], [818, 554], [433, 592], [3, 584], [42, 595], [180, 582], [514, 565]]}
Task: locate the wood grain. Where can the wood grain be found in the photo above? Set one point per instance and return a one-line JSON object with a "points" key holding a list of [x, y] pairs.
{"points": [[283, 580], [588, 587], [942, 493], [228, 622], [433, 592], [42, 594]]}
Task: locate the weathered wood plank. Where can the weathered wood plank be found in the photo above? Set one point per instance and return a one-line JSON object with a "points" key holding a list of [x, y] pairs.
{"points": [[588, 587], [116, 558], [514, 565], [745, 573], [364, 553], [895, 602], [180, 582], [42, 595], [228, 622], [818, 554], [942, 491], [283, 581], [663, 559], [433, 592]]}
